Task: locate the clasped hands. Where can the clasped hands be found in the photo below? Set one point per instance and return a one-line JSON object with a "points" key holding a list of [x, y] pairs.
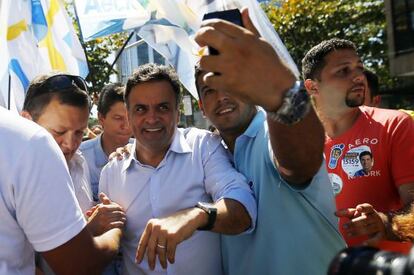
{"points": [[105, 216]]}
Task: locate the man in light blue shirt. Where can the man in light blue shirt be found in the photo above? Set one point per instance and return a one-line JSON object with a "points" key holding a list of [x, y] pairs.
{"points": [[112, 116], [279, 151], [178, 187]]}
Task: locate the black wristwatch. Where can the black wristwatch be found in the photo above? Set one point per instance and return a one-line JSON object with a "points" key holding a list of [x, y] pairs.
{"points": [[295, 106], [211, 211]]}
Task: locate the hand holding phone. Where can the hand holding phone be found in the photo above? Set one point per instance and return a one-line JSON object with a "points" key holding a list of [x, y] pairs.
{"points": [[233, 16]]}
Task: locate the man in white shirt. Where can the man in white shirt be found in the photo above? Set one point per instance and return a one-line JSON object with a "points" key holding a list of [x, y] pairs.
{"points": [[38, 207], [60, 104], [167, 180]]}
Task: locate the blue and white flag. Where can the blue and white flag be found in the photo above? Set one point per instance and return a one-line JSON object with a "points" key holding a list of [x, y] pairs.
{"points": [[168, 26], [36, 37]]}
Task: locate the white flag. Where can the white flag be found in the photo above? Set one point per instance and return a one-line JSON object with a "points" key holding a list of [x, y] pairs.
{"points": [[168, 26], [36, 37]]}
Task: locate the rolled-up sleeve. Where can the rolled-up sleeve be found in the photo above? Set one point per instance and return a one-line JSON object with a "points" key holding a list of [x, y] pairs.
{"points": [[223, 181]]}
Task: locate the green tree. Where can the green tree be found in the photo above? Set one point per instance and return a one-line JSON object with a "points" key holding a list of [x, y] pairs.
{"points": [[302, 24], [97, 51]]}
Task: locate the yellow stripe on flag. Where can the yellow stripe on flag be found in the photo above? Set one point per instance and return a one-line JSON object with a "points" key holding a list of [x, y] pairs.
{"points": [[15, 30], [56, 60], [54, 9]]}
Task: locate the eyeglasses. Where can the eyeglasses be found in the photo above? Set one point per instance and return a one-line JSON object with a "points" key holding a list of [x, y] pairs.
{"points": [[64, 81]]}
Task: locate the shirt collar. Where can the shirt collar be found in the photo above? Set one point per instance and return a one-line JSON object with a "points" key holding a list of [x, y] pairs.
{"points": [[256, 124], [76, 160], [100, 157], [131, 157], [179, 145]]}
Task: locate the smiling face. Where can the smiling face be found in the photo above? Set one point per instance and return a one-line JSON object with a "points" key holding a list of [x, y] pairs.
{"points": [[66, 123], [366, 163], [153, 116], [342, 82], [228, 114]]}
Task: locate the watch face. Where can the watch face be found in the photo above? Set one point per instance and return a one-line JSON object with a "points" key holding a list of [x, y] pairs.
{"points": [[294, 108]]}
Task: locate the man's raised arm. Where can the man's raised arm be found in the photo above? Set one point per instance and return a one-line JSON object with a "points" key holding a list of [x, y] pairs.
{"points": [[249, 68]]}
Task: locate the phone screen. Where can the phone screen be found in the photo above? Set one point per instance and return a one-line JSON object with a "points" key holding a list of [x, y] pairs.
{"points": [[233, 16]]}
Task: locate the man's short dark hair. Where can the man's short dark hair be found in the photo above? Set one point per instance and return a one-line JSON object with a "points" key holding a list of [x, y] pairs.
{"points": [[38, 96], [365, 153], [110, 94], [373, 82], [153, 73], [314, 60]]}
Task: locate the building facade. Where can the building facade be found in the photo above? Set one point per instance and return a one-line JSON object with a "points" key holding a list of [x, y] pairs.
{"points": [[400, 30]]}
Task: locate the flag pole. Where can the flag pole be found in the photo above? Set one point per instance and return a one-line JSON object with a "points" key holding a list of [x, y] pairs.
{"points": [[77, 22], [117, 56], [81, 36]]}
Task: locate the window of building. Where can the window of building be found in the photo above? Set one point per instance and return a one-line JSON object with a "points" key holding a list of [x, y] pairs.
{"points": [[142, 51], [158, 58], [403, 24]]}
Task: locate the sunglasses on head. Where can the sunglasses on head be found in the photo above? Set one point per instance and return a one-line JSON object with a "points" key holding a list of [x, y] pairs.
{"points": [[64, 81], [55, 84]]}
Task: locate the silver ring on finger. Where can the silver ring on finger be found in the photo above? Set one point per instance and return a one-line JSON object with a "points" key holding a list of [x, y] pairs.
{"points": [[161, 246]]}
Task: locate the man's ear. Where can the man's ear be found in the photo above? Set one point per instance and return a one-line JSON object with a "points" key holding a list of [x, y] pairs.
{"points": [[26, 114], [376, 101], [178, 117], [311, 86], [101, 118], [200, 104]]}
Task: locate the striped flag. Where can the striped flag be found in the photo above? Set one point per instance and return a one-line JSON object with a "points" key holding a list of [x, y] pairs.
{"points": [[168, 26], [36, 37]]}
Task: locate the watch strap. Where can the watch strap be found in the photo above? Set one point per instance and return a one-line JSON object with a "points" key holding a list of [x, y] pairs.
{"points": [[212, 214]]}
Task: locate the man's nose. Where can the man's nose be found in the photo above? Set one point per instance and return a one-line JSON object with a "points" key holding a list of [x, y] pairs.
{"points": [[70, 143], [359, 77], [222, 96], [152, 116], [125, 124]]}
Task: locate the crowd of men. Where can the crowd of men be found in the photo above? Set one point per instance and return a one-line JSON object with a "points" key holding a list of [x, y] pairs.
{"points": [[261, 195]]}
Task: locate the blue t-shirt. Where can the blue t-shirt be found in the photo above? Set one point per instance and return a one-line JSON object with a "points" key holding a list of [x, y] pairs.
{"points": [[296, 230], [359, 173]]}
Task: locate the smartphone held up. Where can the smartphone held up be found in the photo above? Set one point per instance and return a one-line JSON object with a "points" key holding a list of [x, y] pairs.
{"points": [[233, 16]]}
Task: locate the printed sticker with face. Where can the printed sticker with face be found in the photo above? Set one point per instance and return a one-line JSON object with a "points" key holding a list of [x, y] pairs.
{"points": [[366, 161], [358, 161]]}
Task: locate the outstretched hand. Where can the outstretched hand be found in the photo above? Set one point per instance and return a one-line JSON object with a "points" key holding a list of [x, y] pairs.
{"points": [[364, 221], [161, 236]]}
